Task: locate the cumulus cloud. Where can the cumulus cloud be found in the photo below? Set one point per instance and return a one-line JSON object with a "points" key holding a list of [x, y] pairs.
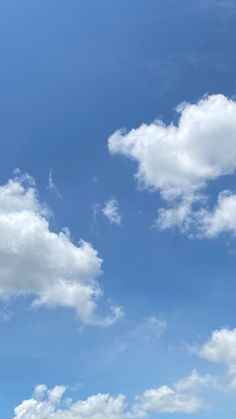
{"points": [[180, 160], [166, 400], [37, 261], [49, 404], [181, 214], [221, 348], [181, 397], [192, 215], [112, 212], [195, 382]]}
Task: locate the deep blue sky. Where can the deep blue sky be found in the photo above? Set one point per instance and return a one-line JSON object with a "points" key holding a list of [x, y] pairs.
{"points": [[71, 73]]}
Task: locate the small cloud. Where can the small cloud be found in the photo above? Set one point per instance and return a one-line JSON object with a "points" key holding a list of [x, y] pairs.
{"points": [[5, 314], [112, 212], [95, 180], [156, 325], [51, 185], [149, 330], [96, 211]]}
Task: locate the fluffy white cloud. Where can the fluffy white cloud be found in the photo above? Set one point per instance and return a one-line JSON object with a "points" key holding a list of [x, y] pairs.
{"points": [[166, 400], [180, 398], [195, 382], [112, 212], [48, 404], [180, 160], [179, 215], [222, 218], [202, 221], [221, 347], [36, 261]]}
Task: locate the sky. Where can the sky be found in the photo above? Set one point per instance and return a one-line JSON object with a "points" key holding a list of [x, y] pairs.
{"points": [[117, 209]]}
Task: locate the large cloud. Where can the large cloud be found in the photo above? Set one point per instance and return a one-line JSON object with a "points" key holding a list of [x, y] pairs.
{"points": [[180, 398], [179, 161], [48, 404], [34, 260]]}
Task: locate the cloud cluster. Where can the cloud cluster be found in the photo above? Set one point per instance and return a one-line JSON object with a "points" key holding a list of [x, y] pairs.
{"points": [[37, 261], [177, 399], [201, 220], [49, 404], [181, 160], [184, 396]]}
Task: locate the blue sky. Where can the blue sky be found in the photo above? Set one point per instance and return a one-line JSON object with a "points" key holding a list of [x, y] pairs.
{"points": [[72, 74]]}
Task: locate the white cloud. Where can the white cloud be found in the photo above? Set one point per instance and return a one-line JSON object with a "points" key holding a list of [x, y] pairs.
{"points": [[184, 396], [180, 160], [222, 218], [221, 348], [49, 404], [166, 400], [177, 399], [181, 397], [112, 212], [202, 221], [195, 382], [181, 214], [36, 261]]}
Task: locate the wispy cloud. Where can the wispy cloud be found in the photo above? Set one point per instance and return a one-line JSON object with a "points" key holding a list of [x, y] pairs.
{"points": [[112, 212], [51, 185]]}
